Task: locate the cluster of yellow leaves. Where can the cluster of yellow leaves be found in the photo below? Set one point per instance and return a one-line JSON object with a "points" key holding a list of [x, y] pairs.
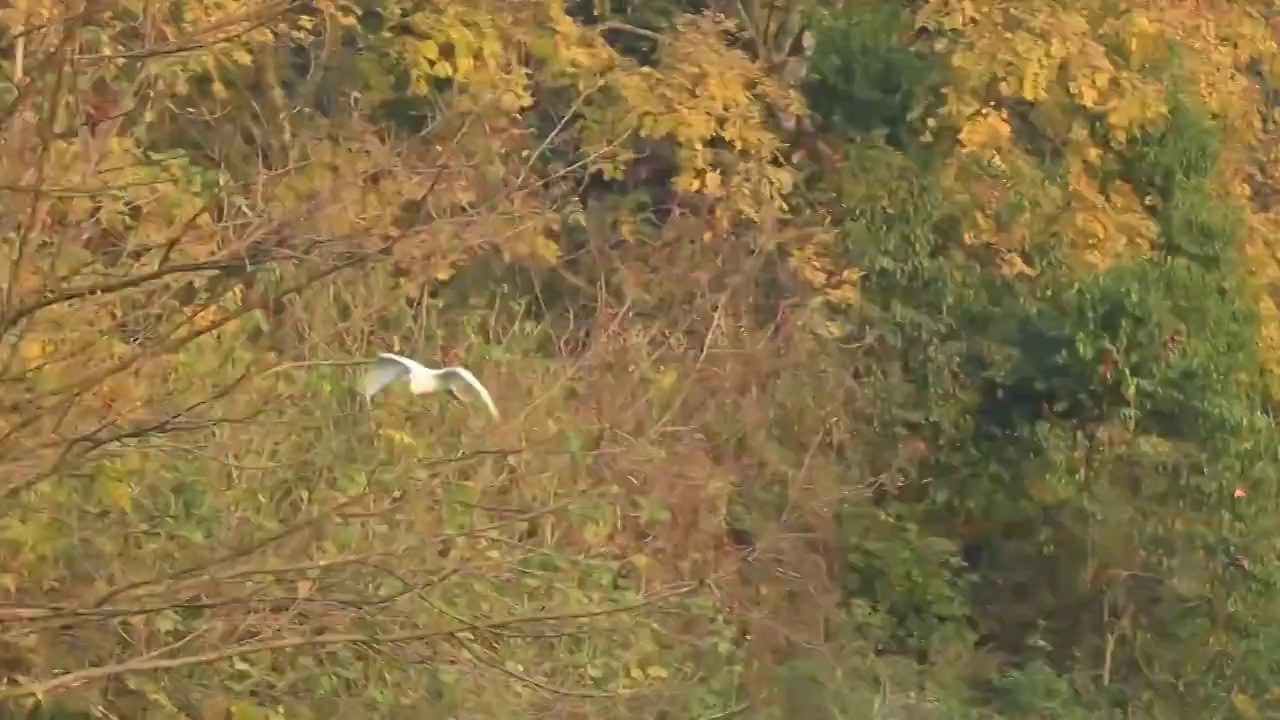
{"points": [[360, 187], [1071, 62], [212, 35], [347, 187], [840, 285], [986, 130], [812, 261], [1037, 52], [1262, 253], [1052, 59], [102, 196], [711, 102], [1222, 39], [111, 208], [705, 103], [1107, 224], [27, 14], [1065, 64], [465, 43], [814, 258], [1252, 174]]}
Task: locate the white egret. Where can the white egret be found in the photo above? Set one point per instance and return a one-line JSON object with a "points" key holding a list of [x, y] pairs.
{"points": [[422, 379]]}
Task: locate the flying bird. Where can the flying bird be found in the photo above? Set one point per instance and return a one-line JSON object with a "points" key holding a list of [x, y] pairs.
{"points": [[422, 379]]}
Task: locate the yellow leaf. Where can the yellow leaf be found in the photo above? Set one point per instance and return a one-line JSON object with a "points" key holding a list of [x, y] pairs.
{"points": [[711, 182], [1012, 264], [685, 183], [843, 295], [1030, 88], [667, 379], [442, 69], [32, 352], [429, 49], [491, 49], [595, 533], [510, 102], [79, 209], [783, 178], [546, 249], [399, 438], [116, 492], [1245, 706], [463, 41], [985, 131]]}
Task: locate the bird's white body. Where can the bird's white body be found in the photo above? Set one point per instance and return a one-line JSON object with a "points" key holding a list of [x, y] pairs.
{"points": [[422, 379]]}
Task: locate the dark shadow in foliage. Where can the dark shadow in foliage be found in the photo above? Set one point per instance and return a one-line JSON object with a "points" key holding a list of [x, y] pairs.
{"points": [[1017, 383], [634, 24], [865, 78]]}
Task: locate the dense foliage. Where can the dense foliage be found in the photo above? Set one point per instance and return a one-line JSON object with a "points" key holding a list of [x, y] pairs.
{"points": [[856, 359]]}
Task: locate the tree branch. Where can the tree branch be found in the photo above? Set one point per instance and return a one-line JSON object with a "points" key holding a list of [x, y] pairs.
{"points": [[320, 643]]}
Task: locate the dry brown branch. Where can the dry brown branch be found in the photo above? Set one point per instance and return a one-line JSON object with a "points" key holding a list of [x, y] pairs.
{"points": [[45, 131], [479, 656], [52, 298], [319, 643], [255, 18], [169, 343], [290, 531]]}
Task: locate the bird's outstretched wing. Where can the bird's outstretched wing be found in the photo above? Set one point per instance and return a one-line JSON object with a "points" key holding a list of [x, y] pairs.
{"points": [[455, 376], [386, 368]]}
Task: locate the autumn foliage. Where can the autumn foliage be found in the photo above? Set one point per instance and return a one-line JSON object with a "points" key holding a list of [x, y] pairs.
{"points": [[855, 359]]}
